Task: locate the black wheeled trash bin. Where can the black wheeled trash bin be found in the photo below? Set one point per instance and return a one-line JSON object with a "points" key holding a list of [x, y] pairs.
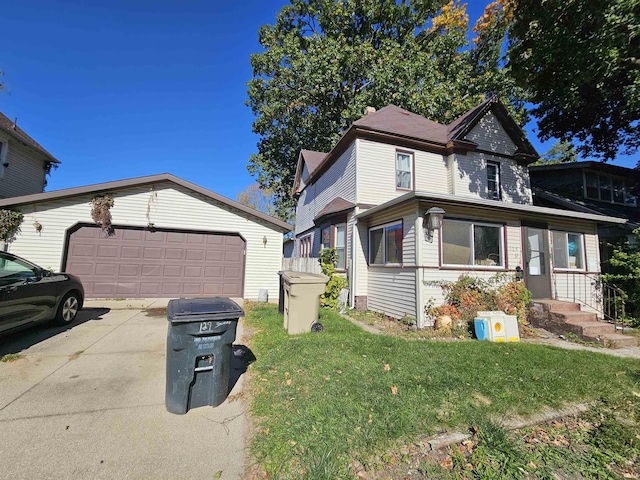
{"points": [[199, 338]]}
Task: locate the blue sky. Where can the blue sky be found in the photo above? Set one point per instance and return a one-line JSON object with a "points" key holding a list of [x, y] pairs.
{"points": [[127, 88]]}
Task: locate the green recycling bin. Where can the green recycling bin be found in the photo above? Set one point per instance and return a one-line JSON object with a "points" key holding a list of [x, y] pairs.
{"points": [[200, 335]]}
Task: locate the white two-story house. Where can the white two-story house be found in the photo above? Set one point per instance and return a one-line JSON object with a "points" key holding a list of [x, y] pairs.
{"points": [[24, 164], [406, 201]]}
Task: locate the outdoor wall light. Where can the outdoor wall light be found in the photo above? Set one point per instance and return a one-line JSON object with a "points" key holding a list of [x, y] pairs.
{"points": [[433, 221], [264, 241]]}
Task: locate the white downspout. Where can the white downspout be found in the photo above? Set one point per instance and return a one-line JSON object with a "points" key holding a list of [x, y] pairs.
{"points": [[420, 316]]}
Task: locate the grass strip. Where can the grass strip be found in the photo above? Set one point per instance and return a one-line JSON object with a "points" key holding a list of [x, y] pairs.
{"points": [[323, 399]]}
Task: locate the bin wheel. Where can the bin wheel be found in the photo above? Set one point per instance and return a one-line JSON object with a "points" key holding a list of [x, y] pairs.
{"points": [[316, 327]]}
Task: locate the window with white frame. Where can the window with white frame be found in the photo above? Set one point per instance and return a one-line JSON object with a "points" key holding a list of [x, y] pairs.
{"points": [[340, 244], [472, 244], [493, 180], [606, 188], [385, 244], [335, 236], [568, 250], [404, 170]]}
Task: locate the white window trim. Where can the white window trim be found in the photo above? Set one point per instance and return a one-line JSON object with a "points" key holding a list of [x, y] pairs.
{"points": [[498, 180], [471, 224], [566, 242], [384, 244], [335, 237], [411, 167]]}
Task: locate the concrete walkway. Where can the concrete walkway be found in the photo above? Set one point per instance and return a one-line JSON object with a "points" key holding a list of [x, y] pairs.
{"points": [[87, 401]]}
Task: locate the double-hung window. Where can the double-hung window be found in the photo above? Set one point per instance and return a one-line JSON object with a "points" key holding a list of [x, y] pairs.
{"points": [[568, 250], [599, 186], [335, 236], [385, 244], [3, 157], [472, 244], [493, 180], [404, 171]]}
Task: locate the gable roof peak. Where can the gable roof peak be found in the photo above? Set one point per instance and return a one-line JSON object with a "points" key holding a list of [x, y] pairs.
{"points": [[10, 126]]}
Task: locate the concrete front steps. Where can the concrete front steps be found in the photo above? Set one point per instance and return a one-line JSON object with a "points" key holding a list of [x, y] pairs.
{"points": [[566, 317]]}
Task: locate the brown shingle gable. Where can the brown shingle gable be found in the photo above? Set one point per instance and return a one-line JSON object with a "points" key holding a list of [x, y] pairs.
{"points": [[8, 126], [312, 158], [337, 205]]}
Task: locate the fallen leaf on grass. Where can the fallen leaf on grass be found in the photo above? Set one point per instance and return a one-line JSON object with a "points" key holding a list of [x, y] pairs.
{"points": [[288, 381], [394, 390], [386, 367], [446, 463]]}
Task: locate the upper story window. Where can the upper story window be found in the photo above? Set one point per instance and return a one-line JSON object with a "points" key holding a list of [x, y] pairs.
{"points": [[568, 251], [472, 244], [385, 244], [599, 186], [493, 180], [335, 236], [3, 155], [404, 170]]}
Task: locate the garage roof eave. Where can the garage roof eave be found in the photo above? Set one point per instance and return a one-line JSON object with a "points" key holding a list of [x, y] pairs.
{"points": [[13, 202], [448, 199]]}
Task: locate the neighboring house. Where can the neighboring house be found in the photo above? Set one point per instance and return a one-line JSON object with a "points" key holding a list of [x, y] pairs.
{"points": [[406, 201], [172, 239], [591, 187], [24, 164]]}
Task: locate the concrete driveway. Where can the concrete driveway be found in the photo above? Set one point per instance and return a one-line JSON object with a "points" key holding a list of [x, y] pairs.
{"points": [[88, 402]]}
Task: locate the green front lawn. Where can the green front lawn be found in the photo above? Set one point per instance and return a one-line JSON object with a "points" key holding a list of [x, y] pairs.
{"points": [[323, 399]]}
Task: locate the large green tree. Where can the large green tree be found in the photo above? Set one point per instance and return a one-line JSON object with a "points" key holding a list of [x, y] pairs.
{"points": [[324, 61], [579, 59]]}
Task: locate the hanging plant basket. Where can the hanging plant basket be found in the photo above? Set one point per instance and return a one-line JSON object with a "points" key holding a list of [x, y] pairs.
{"points": [[10, 222], [101, 212]]}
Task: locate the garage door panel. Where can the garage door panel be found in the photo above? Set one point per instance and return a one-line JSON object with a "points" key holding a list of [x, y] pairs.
{"points": [[193, 272], [149, 289], [172, 271], [129, 270], [130, 252], [107, 251], [105, 269], [152, 253], [174, 253], [129, 235], [194, 254], [140, 263], [83, 250]]}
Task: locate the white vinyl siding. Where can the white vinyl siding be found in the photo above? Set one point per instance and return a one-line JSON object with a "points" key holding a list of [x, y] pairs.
{"points": [[337, 181], [24, 174], [392, 290], [469, 177], [166, 206], [490, 136], [377, 172]]}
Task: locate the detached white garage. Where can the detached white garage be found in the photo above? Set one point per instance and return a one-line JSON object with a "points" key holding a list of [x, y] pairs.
{"points": [[170, 238]]}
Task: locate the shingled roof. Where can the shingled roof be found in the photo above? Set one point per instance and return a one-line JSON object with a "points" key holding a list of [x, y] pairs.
{"points": [[399, 126], [8, 126]]}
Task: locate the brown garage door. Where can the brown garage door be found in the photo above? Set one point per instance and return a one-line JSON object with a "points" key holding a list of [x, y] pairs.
{"points": [[136, 262]]}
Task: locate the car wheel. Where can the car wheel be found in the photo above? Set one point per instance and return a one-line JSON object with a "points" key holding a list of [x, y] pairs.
{"points": [[68, 309]]}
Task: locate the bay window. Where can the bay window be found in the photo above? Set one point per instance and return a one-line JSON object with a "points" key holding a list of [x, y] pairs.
{"points": [[385, 244], [472, 244], [568, 251]]}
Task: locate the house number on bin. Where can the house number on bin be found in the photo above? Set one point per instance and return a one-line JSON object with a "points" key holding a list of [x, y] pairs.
{"points": [[205, 326]]}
